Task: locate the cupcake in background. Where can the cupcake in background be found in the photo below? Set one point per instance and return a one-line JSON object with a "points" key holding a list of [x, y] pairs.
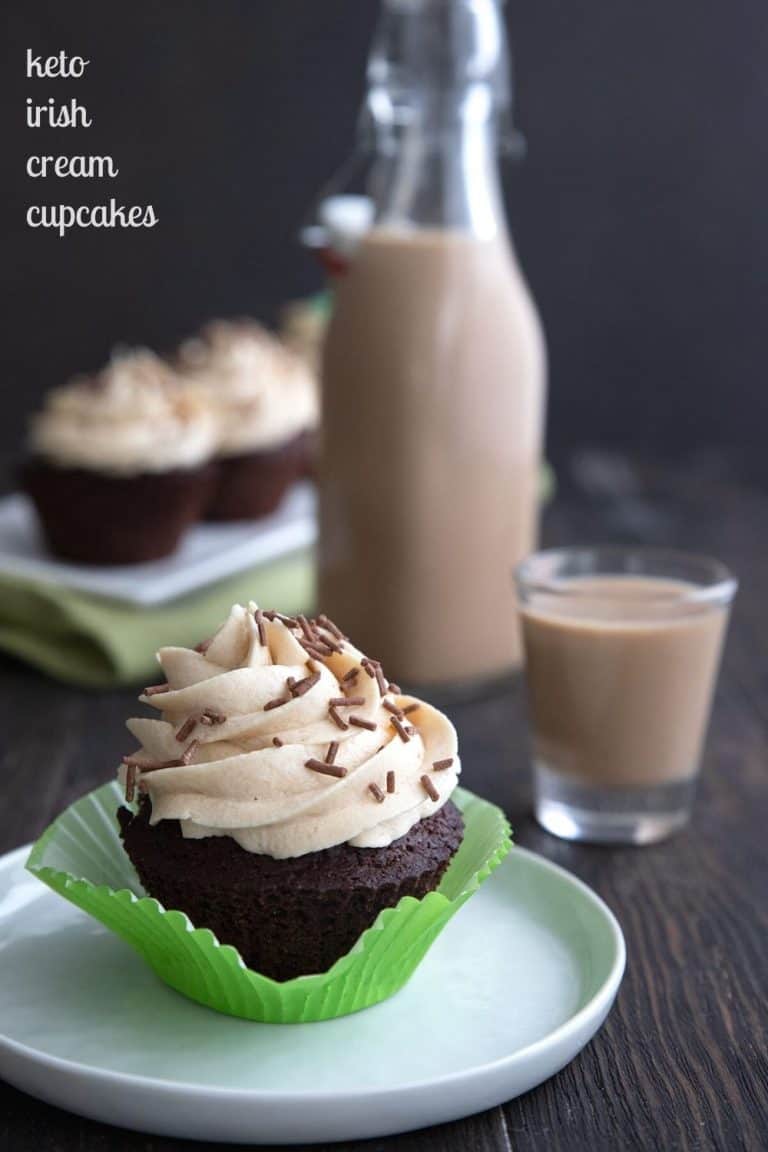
{"points": [[266, 405], [119, 463]]}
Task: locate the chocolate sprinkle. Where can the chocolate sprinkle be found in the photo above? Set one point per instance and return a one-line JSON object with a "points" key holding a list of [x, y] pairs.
{"points": [[411, 708], [361, 722], [429, 788], [382, 683], [377, 793], [156, 689], [329, 643], [270, 704], [317, 648], [368, 666], [330, 755], [299, 687], [306, 628], [400, 728], [390, 781], [441, 765], [351, 675], [338, 721], [150, 765], [395, 689], [393, 708], [186, 729], [189, 751], [203, 646], [329, 626], [277, 742], [347, 701], [325, 769], [130, 783]]}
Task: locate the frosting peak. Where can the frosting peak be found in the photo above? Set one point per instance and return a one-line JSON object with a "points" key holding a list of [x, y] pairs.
{"points": [[279, 733], [262, 393]]}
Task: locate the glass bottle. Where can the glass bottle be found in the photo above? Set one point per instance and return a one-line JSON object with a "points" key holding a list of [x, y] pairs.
{"points": [[434, 365]]}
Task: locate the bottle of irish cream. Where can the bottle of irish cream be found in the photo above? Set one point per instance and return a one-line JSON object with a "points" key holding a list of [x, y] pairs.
{"points": [[434, 366]]}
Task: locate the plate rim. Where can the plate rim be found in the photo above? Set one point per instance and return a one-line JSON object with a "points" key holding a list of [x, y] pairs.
{"points": [[596, 1007]]}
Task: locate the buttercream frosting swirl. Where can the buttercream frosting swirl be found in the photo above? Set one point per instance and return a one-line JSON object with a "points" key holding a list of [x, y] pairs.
{"points": [[287, 739], [135, 416], [260, 391]]}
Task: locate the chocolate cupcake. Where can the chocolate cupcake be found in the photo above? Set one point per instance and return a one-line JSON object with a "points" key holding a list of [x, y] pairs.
{"points": [[287, 793], [265, 401], [119, 464]]}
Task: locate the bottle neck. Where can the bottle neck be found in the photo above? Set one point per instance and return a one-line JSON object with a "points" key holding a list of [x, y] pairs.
{"points": [[442, 176]]}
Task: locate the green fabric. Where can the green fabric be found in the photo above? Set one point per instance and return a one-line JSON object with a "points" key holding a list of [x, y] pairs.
{"points": [[102, 643]]}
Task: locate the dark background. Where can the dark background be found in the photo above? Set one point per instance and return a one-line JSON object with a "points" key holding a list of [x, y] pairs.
{"points": [[640, 213]]}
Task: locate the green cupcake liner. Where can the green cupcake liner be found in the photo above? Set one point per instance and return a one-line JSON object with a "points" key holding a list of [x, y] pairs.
{"points": [[81, 857]]}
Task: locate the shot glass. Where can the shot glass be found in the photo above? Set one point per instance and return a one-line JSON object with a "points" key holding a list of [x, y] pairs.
{"points": [[622, 649]]}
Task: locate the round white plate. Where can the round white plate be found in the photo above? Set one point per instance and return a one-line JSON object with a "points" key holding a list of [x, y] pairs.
{"points": [[515, 986]]}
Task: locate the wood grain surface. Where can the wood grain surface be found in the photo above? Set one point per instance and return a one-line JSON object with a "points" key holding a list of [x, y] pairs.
{"points": [[682, 1062]]}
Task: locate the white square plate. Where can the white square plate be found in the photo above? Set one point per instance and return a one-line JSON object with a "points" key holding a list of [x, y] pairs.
{"points": [[207, 553]]}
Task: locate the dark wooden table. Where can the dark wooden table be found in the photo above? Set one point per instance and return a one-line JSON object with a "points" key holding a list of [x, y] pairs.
{"points": [[682, 1062]]}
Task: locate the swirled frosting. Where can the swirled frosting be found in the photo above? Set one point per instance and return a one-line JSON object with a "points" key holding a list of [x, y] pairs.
{"points": [[135, 416], [285, 737], [261, 392]]}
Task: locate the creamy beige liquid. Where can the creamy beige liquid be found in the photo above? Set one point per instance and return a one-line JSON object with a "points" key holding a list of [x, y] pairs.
{"points": [[620, 680], [433, 395]]}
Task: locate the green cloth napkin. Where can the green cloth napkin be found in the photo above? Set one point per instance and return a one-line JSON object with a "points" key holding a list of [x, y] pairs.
{"points": [[100, 643]]}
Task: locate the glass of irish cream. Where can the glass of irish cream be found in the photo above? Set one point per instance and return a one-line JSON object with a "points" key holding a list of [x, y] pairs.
{"points": [[622, 648]]}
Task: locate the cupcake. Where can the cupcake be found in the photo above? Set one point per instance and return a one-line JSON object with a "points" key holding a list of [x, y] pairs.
{"points": [[265, 401], [287, 793], [119, 464]]}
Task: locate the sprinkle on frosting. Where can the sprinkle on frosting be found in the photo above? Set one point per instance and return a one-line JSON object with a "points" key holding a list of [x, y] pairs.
{"points": [[283, 746], [337, 719], [377, 793], [361, 722], [187, 728], [429, 788], [326, 769], [276, 703], [400, 728], [443, 765]]}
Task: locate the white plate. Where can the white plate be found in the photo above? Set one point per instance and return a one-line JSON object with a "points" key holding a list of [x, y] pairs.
{"points": [[208, 552], [517, 984]]}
